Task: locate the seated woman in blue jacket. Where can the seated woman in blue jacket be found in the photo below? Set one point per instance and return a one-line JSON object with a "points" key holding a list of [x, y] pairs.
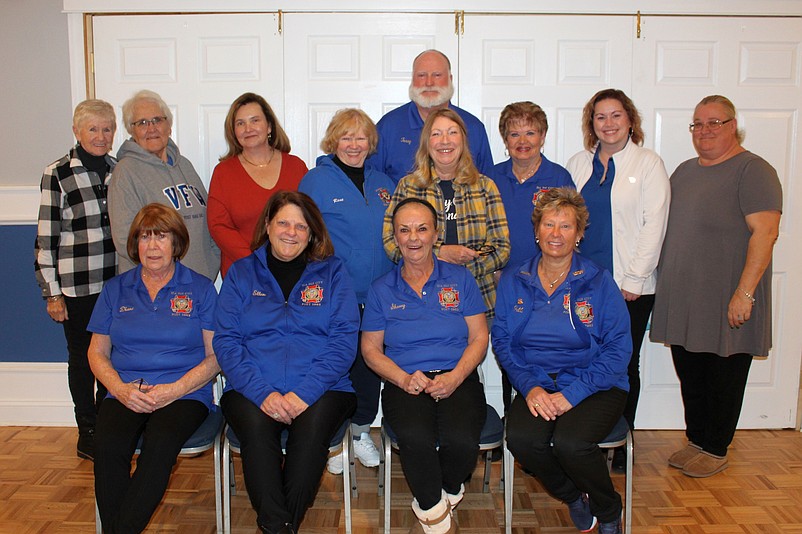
{"points": [[286, 334], [562, 334]]}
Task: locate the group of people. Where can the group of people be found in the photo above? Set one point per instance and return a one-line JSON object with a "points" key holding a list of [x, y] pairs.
{"points": [[392, 260]]}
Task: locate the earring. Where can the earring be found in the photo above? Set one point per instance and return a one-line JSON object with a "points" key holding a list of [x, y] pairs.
{"points": [[537, 240], [631, 131], [506, 152], [269, 136], [577, 244]]}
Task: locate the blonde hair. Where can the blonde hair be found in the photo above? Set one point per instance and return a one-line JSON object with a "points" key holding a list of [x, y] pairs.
{"points": [[94, 108], [467, 173], [349, 120]]}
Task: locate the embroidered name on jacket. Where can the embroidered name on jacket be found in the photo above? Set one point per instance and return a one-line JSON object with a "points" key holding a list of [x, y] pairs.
{"points": [[312, 295]]}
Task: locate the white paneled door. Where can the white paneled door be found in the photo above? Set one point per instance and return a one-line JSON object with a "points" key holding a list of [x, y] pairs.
{"points": [[198, 64], [555, 61], [753, 62], [361, 60]]}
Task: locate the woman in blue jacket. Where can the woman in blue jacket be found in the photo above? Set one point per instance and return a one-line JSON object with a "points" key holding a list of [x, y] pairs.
{"points": [[562, 334], [353, 199], [287, 325]]}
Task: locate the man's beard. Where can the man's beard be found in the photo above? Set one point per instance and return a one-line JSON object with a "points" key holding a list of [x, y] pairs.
{"points": [[443, 95]]}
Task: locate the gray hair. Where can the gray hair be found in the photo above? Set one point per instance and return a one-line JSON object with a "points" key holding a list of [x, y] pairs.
{"points": [[94, 108], [144, 96]]}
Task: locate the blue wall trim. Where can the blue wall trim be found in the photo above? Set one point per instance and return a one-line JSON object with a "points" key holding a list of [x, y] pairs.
{"points": [[27, 334]]}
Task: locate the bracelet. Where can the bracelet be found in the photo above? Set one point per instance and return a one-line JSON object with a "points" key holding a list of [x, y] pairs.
{"points": [[53, 298], [748, 294]]}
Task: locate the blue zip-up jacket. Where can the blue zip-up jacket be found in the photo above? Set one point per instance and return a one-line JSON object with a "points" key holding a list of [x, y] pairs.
{"points": [[305, 345], [598, 313], [354, 222]]}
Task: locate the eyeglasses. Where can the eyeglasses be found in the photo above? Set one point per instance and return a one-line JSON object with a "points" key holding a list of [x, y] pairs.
{"points": [[713, 125], [143, 124], [483, 250]]}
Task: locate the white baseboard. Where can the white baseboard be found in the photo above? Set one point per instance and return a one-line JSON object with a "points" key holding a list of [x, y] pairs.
{"points": [[35, 394]]}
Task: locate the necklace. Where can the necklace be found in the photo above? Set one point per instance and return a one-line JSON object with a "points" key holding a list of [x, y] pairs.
{"points": [[259, 166], [553, 282], [529, 172]]}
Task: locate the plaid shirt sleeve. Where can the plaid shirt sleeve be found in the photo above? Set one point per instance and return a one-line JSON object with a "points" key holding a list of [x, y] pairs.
{"points": [[49, 230]]}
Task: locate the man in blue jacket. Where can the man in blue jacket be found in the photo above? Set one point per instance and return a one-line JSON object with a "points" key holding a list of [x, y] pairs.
{"points": [[399, 130]]}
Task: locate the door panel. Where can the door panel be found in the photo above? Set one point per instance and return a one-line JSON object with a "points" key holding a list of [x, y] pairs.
{"points": [[752, 62], [198, 64]]}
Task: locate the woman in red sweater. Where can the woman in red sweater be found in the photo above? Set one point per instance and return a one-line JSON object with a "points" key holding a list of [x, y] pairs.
{"points": [[258, 164]]}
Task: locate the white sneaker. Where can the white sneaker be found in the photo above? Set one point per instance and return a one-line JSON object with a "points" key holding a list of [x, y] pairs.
{"points": [[366, 451], [335, 464]]}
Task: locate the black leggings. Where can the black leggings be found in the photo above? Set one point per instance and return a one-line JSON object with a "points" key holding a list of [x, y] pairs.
{"points": [[282, 494], [421, 425], [126, 502], [564, 453]]}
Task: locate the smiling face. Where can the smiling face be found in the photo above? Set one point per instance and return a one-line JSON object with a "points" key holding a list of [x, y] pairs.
{"points": [[557, 233], [445, 146], [611, 125], [713, 145], [431, 85], [415, 232], [250, 126], [288, 233], [156, 252], [151, 137], [524, 142], [95, 134], [353, 147]]}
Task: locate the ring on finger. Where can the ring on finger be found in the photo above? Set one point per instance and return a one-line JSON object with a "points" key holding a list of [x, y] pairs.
{"points": [[275, 415], [537, 405]]}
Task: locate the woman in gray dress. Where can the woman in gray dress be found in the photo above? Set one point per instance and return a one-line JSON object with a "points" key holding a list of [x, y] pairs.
{"points": [[714, 309]]}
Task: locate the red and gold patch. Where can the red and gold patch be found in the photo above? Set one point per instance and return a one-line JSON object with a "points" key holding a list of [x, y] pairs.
{"points": [[449, 297], [181, 304], [584, 311], [312, 294], [384, 195]]}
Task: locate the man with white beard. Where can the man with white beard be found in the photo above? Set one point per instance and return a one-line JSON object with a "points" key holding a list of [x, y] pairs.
{"points": [[399, 130]]}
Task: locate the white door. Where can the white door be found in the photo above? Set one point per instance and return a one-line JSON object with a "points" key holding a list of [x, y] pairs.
{"points": [[361, 60], [557, 62], [677, 62], [198, 64]]}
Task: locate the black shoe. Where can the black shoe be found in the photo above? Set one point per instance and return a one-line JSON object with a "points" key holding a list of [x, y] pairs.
{"points": [[619, 460], [86, 444]]}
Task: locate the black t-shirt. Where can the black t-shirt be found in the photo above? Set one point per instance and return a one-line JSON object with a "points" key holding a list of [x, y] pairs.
{"points": [[449, 213]]}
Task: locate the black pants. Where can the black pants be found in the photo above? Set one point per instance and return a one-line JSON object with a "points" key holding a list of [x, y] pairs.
{"points": [[279, 494], [421, 424], [639, 311], [564, 453], [126, 502], [80, 377], [712, 390]]}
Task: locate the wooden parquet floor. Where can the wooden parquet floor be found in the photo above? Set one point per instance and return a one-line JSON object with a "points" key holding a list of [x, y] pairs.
{"points": [[44, 488]]}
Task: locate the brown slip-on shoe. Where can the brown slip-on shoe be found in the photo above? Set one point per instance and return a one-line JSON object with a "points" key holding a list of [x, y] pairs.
{"points": [[681, 457], [705, 465]]}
